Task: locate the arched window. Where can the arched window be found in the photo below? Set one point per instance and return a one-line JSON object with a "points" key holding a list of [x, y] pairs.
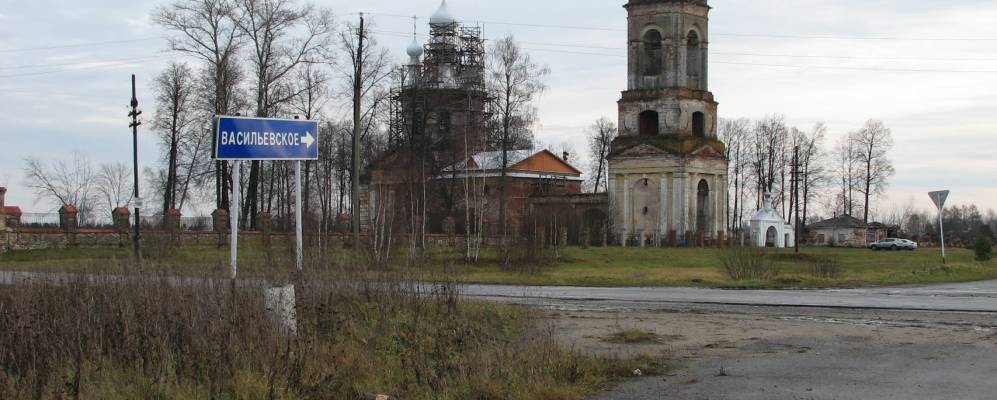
{"points": [[649, 123], [652, 53], [694, 57], [698, 124], [702, 205]]}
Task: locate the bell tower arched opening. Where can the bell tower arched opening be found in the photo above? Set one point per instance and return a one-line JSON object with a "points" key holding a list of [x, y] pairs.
{"points": [[649, 123], [698, 124], [652, 59], [694, 60]]}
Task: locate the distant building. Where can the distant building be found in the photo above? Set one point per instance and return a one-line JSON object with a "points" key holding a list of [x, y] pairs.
{"points": [[845, 231], [667, 168], [439, 174]]}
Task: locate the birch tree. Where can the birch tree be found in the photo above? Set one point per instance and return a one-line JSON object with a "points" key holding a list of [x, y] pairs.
{"points": [[206, 30], [515, 81], [872, 143]]}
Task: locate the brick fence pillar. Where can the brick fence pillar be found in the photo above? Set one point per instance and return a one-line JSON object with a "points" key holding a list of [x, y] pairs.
{"points": [[171, 223], [220, 224], [266, 227], [12, 217], [121, 217], [68, 220], [3, 216]]}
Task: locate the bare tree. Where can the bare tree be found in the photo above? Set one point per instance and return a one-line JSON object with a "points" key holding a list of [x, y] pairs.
{"points": [[63, 182], [313, 95], [812, 170], [174, 120], [206, 30], [114, 184], [514, 81], [872, 143], [736, 134], [365, 71], [280, 36], [601, 135], [769, 156], [846, 169]]}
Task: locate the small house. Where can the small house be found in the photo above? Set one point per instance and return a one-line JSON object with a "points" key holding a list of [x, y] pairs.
{"points": [[845, 231]]}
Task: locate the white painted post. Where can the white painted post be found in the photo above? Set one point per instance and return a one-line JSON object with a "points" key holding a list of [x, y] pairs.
{"points": [[939, 198], [941, 229], [297, 213], [234, 217]]}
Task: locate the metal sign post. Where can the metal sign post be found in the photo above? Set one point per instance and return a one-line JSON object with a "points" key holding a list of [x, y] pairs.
{"points": [[297, 213], [234, 216], [269, 139], [939, 198]]}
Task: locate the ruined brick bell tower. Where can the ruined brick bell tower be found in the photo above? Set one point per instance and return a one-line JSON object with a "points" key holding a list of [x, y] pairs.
{"points": [[667, 169]]}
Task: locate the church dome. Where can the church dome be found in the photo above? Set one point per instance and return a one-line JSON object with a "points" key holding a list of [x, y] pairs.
{"points": [[414, 49], [767, 213], [442, 16]]}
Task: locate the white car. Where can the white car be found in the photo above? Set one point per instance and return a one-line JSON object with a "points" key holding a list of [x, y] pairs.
{"points": [[893, 244]]}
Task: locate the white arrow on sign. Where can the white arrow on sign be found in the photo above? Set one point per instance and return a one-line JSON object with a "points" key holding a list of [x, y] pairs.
{"points": [[308, 140]]}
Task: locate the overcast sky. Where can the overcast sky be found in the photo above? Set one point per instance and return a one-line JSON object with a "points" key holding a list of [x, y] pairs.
{"points": [[927, 68]]}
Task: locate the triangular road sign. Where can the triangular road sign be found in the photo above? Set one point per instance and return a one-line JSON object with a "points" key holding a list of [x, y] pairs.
{"points": [[939, 198]]}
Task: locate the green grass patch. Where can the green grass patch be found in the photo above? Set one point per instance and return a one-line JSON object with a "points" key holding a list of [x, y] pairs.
{"points": [[671, 267], [594, 266], [632, 336]]}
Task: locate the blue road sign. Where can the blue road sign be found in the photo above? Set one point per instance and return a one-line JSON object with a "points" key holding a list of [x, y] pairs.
{"points": [[239, 138]]}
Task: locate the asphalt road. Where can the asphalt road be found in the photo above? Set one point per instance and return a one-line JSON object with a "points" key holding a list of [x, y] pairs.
{"points": [[970, 297]]}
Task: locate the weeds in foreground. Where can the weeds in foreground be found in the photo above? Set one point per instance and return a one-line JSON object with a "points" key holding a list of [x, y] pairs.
{"points": [[747, 263], [825, 268], [160, 337]]}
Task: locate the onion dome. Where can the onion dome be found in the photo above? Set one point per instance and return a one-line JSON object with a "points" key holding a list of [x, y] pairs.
{"points": [[442, 16], [414, 49]]}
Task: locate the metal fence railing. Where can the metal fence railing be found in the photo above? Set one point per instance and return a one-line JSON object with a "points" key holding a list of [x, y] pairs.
{"points": [[152, 222], [40, 220]]}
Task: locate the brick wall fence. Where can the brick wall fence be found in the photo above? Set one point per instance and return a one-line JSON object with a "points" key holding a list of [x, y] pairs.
{"points": [[69, 234]]}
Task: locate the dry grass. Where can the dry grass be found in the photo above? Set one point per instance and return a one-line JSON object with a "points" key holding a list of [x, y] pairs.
{"points": [[138, 336], [747, 264]]}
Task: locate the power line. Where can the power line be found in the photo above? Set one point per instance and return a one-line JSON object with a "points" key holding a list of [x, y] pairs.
{"points": [[68, 46], [80, 63], [407, 35], [768, 65], [855, 68], [106, 65], [731, 34]]}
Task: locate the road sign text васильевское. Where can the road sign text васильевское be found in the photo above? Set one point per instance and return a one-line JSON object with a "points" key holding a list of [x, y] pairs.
{"points": [[238, 138]]}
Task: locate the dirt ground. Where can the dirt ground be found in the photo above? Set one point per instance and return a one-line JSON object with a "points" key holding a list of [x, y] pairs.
{"points": [[746, 352]]}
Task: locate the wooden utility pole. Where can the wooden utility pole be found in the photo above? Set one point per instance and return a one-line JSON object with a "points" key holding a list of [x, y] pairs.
{"points": [[357, 90], [134, 113], [796, 199]]}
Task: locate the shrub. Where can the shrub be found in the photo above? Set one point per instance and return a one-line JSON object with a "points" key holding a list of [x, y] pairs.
{"points": [[984, 249], [747, 263]]}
